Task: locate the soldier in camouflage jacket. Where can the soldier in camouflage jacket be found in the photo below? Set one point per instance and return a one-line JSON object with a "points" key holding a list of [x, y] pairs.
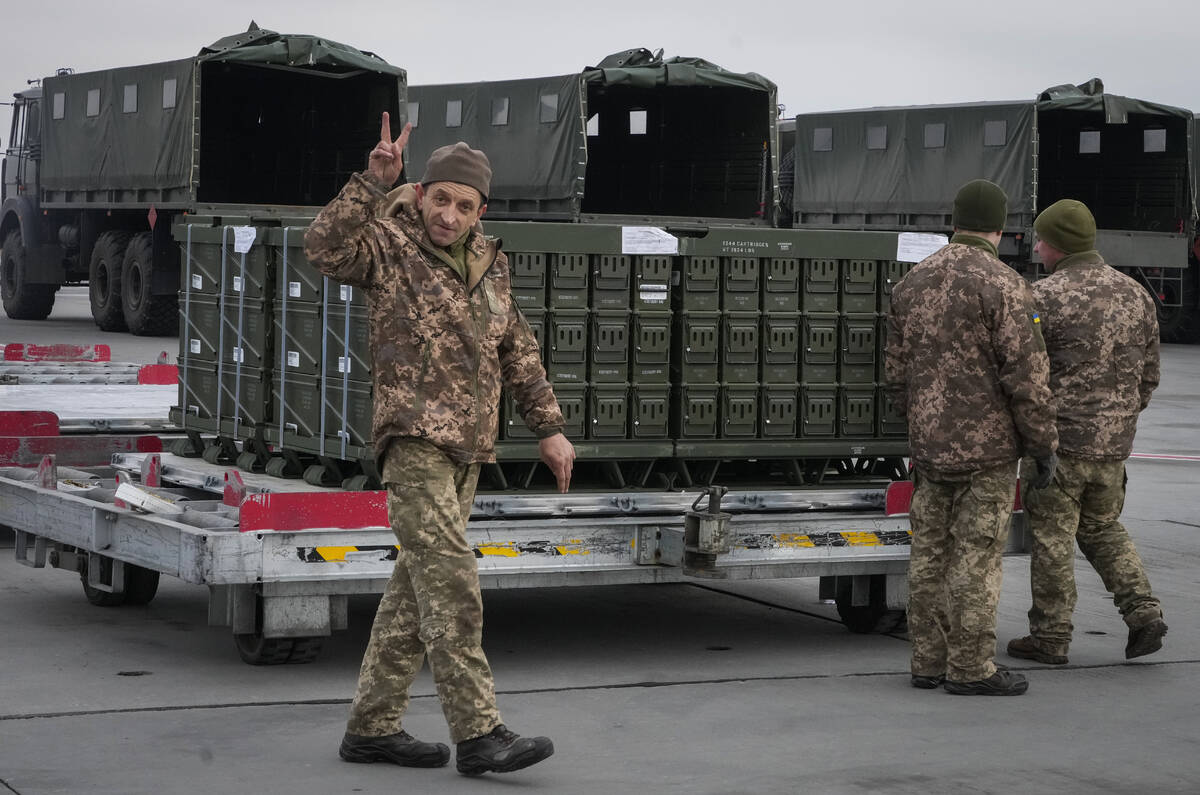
{"points": [[1102, 338], [966, 365], [445, 335]]}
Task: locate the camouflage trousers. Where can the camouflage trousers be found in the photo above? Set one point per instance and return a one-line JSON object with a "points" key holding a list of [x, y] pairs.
{"points": [[1082, 505], [959, 526], [432, 605]]}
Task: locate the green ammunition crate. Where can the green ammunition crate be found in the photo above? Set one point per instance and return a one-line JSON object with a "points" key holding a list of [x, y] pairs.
{"points": [[236, 332], [527, 274], [893, 272], [347, 342], [569, 281], [859, 349], [567, 343], [819, 349], [296, 279], [694, 411], [740, 333], [890, 421], [819, 283], [651, 356], [199, 391], [740, 284], [739, 411], [611, 281], [608, 411], [572, 401], [860, 286], [297, 339], [225, 399], [818, 411], [856, 411], [780, 410], [781, 286], [608, 362], [696, 348], [652, 283], [212, 266], [780, 348], [700, 281], [318, 414], [650, 411]]}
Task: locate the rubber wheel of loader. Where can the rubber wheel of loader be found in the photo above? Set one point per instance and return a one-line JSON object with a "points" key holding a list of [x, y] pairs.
{"points": [[254, 649], [249, 462], [22, 300], [873, 617], [104, 280], [146, 314], [141, 585]]}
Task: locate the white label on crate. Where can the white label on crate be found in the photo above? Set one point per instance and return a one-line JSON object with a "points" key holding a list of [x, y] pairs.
{"points": [[194, 346], [293, 358], [347, 292], [343, 364], [197, 281], [293, 289], [648, 240], [653, 293], [237, 355], [916, 246], [237, 284], [243, 238]]}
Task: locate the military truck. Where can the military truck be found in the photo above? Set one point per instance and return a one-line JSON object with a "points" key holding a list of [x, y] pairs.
{"points": [[100, 165], [1131, 161]]}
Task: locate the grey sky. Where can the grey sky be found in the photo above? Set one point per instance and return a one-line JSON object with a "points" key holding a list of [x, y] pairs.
{"points": [[823, 56]]}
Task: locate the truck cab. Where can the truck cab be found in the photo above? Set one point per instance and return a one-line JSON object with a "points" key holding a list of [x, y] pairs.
{"points": [[26, 292]]}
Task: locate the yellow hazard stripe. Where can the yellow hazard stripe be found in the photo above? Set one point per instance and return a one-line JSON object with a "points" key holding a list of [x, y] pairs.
{"points": [[334, 553]]}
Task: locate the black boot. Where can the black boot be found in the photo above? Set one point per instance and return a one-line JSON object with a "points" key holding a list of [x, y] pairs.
{"points": [[1146, 639], [501, 751], [399, 749], [1001, 683]]}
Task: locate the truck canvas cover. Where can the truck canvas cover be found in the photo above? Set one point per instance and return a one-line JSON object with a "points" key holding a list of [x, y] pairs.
{"points": [[244, 121], [636, 134], [903, 165]]}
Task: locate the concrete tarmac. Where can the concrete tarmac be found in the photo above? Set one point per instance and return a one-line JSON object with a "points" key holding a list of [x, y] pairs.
{"points": [[692, 688]]}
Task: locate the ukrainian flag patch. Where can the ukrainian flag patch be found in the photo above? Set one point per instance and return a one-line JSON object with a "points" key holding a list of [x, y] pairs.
{"points": [[1037, 318]]}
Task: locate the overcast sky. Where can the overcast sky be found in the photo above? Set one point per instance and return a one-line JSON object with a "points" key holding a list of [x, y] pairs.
{"points": [[823, 56]]}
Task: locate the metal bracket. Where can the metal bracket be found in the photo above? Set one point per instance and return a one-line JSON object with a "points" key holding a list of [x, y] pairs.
{"points": [[659, 546], [22, 550]]}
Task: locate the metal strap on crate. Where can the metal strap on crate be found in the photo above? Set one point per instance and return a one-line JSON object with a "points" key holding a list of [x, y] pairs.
{"points": [[283, 333], [187, 331], [347, 293], [324, 354]]}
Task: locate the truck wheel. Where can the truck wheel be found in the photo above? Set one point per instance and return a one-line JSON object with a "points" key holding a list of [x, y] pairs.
{"points": [[254, 649], [1182, 323], [141, 585], [104, 280], [146, 314], [22, 300], [873, 617]]}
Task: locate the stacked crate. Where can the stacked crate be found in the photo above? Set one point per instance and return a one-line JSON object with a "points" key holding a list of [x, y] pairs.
{"points": [[891, 424]]}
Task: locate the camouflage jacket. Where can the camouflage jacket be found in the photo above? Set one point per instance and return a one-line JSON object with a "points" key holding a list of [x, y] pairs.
{"points": [[1102, 337], [440, 347], [965, 362]]}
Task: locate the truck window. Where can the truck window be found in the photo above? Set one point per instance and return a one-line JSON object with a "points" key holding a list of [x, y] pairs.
{"points": [[499, 111], [93, 102], [548, 108], [935, 135], [454, 113], [169, 89], [593, 125], [1154, 139], [130, 103], [877, 136], [637, 122], [414, 113], [995, 133], [1089, 142], [822, 139], [60, 105]]}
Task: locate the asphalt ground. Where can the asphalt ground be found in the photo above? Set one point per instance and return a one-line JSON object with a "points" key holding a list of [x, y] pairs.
{"points": [[745, 688]]}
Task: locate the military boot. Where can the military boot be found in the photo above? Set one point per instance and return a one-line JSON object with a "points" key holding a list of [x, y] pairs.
{"points": [[501, 751], [1145, 639], [399, 749], [1027, 648], [1001, 683]]}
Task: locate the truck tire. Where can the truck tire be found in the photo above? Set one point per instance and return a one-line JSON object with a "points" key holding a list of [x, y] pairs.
{"points": [[146, 314], [22, 300], [1182, 323], [873, 617], [104, 280], [254, 649], [140, 587]]}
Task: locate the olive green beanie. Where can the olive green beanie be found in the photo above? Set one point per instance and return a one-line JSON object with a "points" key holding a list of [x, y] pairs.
{"points": [[1068, 225], [462, 164], [980, 206]]}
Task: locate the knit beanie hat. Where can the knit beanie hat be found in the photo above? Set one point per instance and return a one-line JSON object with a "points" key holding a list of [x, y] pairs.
{"points": [[1068, 225], [462, 164], [980, 206]]}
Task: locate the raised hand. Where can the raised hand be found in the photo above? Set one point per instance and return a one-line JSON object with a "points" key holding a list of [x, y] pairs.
{"points": [[387, 158]]}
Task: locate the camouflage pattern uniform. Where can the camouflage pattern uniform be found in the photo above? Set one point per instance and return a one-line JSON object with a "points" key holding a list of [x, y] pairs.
{"points": [[441, 347], [965, 364], [1102, 338]]}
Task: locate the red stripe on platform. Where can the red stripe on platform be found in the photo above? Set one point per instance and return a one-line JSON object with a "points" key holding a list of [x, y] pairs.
{"points": [[28, 423], [158, 374], [90, 450], [28, 352], [309, 510], [1165, 457]]}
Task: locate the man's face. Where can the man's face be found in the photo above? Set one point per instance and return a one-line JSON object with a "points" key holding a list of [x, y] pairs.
{"points": [[1049, 254], [448, 209]]}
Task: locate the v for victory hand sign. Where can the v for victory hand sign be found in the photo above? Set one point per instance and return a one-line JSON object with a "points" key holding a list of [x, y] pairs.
{"points": [[386, 160]]}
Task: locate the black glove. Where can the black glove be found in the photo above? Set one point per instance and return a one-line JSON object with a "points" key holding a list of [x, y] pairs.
{"points": [[1045, 471]]}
